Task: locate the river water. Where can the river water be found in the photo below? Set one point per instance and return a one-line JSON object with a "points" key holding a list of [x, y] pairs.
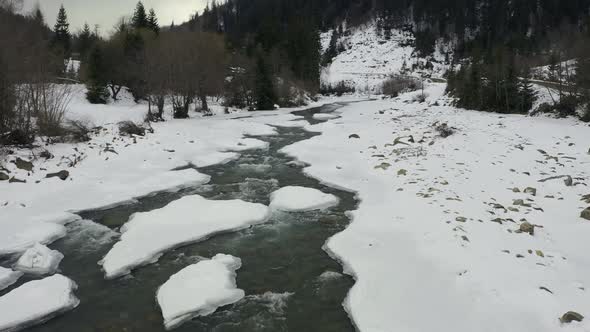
{"points": [[291, 284]]}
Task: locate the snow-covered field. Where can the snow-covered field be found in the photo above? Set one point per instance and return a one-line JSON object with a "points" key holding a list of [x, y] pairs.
{"points": [[441, 239]]}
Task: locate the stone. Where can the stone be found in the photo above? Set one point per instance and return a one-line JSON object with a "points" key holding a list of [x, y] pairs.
{"points": [[586, 214], [540, 253], [571, 316], [527, 227], [62, 175], [402, 172], [515, 190], [383, 166], [568, 181], [16, 180], [531, 191], [461, 219], [23, 164], [4, 176], [354, 136]]}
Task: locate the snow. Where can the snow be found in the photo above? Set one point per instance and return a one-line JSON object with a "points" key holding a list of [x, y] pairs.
{"points": [[369, 59], [199, 289], [418, 265], [8, 277], [296, 199], [36, 302], [187, 220], [325, 116], [39, 260]]}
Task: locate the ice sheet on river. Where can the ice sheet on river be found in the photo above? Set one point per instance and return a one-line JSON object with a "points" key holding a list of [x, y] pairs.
{"points": [[190, 219], [36, 302], [294, 199], [39, 260], [199, 290], [8, 277]]}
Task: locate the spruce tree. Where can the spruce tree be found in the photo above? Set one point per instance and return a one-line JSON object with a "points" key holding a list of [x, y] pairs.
{"points": [[95, 81], [62, 38], [85, 41], [140, 19], [152, 22], [265, 94], [526, 92]]}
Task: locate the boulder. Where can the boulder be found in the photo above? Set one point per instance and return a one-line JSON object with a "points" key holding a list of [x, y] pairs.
{"points": [[23, 164], [16, 180], [531, 191], [354, 136], [4, 176], [527, 227], [62, 175], [571, 316], [586, 214]]}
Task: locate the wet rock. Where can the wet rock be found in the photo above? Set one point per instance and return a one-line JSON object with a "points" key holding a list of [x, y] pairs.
{"points": [[16, 180], [527, 227], [62, 175], [23, 164], [586, 214], [531, 191], [4, 176], [571, 316], [354, 136]]}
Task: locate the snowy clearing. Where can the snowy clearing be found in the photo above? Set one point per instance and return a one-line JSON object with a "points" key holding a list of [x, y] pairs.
{"points": [[8, 277], [444, 227], [187, 220], [36, 302], [296, 199], [39, 260], [199, 290]]}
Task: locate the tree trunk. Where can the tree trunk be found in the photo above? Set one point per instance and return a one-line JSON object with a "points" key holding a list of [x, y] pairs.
{"points": [[115, 89]]}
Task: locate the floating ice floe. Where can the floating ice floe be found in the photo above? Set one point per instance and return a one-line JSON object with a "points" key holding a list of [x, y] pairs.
{"points": [[295, 199], [39, 260], [8, 277], [190, 219], [199, 290], [36, 302]]}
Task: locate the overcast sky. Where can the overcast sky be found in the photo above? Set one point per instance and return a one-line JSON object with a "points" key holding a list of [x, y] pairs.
{"points": [[106, 13]]}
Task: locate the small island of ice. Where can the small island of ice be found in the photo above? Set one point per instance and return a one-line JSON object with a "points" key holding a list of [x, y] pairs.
{"points": [[36, 302], [187, 220], [325, 116], [199, 290], [39, 260], [296, 199], [8, 277]]}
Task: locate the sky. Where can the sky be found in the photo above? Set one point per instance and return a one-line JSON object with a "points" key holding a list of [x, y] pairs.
{"points": [[106, 13]]}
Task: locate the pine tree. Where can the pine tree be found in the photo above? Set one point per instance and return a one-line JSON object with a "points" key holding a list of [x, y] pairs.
{"points": [[62, 38], [38, 16], [265, 94], [140, 19], [96, 83], [85, 40], [152, 22], [526, 92]]}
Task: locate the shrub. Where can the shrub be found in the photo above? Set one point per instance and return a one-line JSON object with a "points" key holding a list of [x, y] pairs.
{"points": [[53, 103], [339, 89], [130, 128], [397, 84], [78, 131]]}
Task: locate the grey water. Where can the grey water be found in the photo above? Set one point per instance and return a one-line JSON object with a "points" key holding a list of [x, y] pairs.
{"points": [[291, 284]]}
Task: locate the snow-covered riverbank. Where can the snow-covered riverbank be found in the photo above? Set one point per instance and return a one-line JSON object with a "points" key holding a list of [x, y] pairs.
{"points": [[440, 241]]}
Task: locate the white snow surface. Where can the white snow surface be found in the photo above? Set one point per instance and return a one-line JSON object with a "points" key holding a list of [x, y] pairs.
{"points": [[199, 289], [426, 248], [36, 302], [325, 116], [39, 260], [296, 199], [8, 277], [190, 219]]}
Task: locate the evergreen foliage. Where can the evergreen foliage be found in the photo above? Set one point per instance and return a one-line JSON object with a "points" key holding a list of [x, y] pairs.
{"points": [[62, 38], [140, 18], [96, 81]]}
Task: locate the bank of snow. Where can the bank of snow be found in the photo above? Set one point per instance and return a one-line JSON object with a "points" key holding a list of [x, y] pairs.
{"points": [[434, 244], [39, 260], [199, 290], [296, 199], [36, 302], [190, 219]]}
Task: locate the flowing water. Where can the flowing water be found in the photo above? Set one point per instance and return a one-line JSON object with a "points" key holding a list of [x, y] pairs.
{"points": [[291, 284]]}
